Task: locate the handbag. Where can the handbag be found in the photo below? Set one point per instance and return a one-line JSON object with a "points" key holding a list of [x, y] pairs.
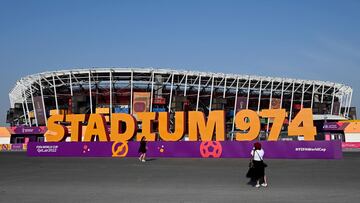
{"points": [[251, 163], [250, 171]]}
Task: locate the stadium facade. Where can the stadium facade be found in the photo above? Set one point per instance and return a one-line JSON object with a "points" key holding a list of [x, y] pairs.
{"points": [[129, 90]]}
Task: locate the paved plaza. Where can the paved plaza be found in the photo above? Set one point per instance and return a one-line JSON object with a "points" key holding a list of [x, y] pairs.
{"points": [[58, 179]]}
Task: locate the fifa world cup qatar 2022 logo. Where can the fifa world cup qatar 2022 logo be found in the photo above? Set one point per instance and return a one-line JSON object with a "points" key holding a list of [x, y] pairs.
{"points": [[210, 149]]}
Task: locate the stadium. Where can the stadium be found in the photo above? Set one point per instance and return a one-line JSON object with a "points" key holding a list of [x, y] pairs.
{"points": [[130, 90]]}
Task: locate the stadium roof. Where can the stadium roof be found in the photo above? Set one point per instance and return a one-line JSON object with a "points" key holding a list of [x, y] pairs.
{"points": [[16, 94]]}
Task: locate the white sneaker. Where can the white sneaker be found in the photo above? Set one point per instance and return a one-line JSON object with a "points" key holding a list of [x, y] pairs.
{"points": [[143, 160], [264, 184], [257, 185]]}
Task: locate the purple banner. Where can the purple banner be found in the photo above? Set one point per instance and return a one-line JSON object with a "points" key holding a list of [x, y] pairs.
{"points": [[336, 126], [29, 130], [39, 110], [17, 147], [187, 149]]}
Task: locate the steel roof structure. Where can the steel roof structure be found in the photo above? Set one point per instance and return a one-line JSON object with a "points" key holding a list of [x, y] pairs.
{"points": [[29, 85]]}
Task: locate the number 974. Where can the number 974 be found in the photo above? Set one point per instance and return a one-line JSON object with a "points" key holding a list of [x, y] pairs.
{"points": [[249, 122]]}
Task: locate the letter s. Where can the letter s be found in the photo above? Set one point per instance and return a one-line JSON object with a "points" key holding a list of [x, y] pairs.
{"points": [[55, 132]]}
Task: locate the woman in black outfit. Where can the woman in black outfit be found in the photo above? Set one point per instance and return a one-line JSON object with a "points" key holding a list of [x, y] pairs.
{"points": [[142, 149], [258, 165]]}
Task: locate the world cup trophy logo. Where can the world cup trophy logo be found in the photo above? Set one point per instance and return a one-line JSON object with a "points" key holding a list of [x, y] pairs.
{"points": [[210, 149], [119, 149]]}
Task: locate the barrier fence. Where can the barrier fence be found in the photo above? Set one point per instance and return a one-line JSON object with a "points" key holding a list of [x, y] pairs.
{"points": [[187, 149]]}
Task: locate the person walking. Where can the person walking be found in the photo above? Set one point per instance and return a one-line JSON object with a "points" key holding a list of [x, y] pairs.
{"points": [[258, 165], [142, 149]]}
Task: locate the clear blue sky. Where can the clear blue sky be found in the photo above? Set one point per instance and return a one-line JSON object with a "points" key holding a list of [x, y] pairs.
{"points": [[298, 39]]}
